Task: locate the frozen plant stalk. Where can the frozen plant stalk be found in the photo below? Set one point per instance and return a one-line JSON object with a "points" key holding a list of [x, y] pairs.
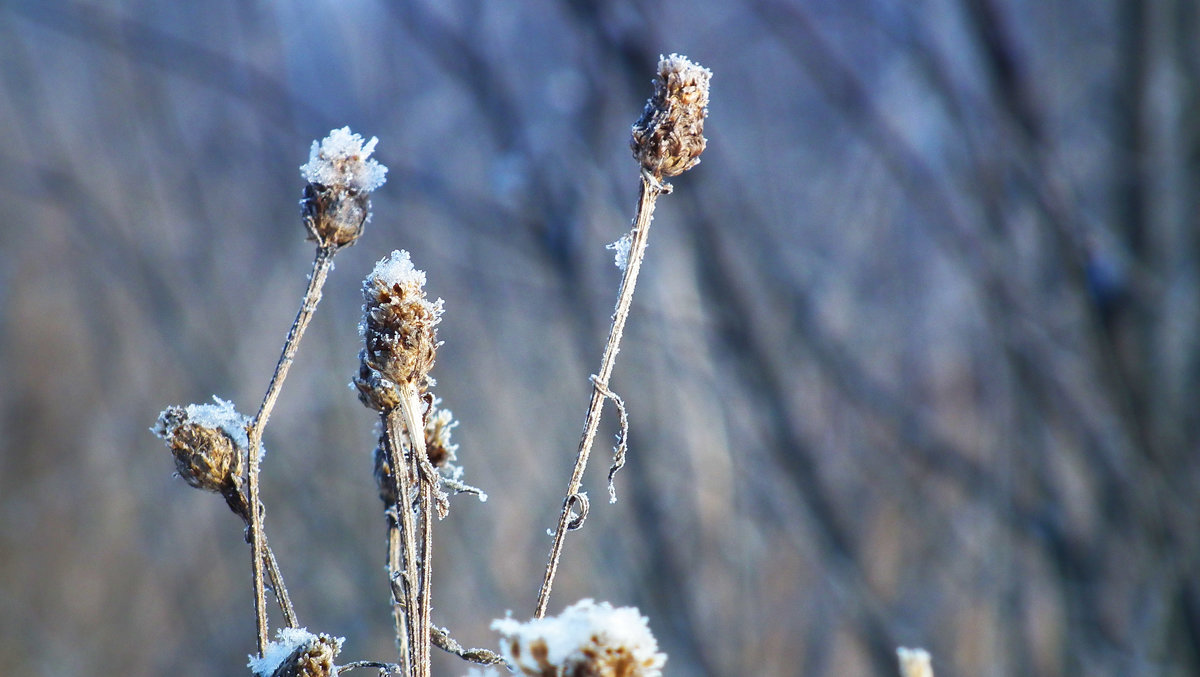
{"points": [[666, 141], [335, 207], [399, 330]]}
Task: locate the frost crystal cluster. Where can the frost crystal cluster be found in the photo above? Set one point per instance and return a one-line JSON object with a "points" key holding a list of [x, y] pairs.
{"points": [[585, 639], [342, 159]]}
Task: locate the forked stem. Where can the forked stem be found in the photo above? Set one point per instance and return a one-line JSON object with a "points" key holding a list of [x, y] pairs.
{"points": [[651, 188], [312, 296]]}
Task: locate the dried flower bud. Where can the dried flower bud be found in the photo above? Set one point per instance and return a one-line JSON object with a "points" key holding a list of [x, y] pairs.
{"points": [[438, 425], [399, 323], [296, 652], [208, 442], [587, 639], [914, 662], [374, 391], [340, 177], [669, 137]]}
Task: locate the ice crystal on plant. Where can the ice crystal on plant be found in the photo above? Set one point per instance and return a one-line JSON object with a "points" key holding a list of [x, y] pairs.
{"points": [[343, 159], [621, 250]]}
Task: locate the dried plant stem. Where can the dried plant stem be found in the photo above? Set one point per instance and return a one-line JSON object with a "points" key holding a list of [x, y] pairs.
{"points": [[395, 576], [408, 419], [281, 593], [312, 296], [651, 188]]}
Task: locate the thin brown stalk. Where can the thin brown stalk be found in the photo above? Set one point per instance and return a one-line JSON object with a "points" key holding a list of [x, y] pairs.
{"points": [[312, 296], [651, 188], [413, 412], [281, 593], [395, 566]]}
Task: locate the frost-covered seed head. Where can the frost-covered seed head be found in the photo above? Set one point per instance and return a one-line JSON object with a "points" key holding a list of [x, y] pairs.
{"points": [[296, 652], [914, 662], [669, 137], [340, 177], [586, 640], [208, 442], [399, 324]]}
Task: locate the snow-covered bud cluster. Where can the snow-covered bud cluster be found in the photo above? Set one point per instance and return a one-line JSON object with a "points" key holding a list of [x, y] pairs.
{"points": [[586, 639], [340, 177], [914, 662], [669, 137], [399, 324], [298, 653], [208, 442]]}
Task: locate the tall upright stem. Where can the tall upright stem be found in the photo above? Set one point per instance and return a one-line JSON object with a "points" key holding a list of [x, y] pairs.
{"points": [[650, 190], [312, 296]]}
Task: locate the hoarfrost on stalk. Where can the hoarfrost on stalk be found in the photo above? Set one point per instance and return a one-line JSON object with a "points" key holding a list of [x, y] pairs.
{"points": [[621, 248], [343, 159]]}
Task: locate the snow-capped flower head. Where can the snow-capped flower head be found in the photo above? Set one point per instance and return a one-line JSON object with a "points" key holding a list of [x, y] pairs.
{"points": [[296, 652], [208, 442], [341, 176], [914, 662], [399, 325], [585, 639], [669, 137]]}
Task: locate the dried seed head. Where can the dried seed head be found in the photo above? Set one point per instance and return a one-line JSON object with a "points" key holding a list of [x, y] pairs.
{"points": [[399, 323], [340, 177], [914, 662], [296, 652], [438, 424], [208, 442], [374, 391], [587, 639], [669, 137]]}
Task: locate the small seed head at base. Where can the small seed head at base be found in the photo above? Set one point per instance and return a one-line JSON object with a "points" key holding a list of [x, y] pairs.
{"points": [[914, 662], [587, 638], [669, 137], [296, 652], [341, 176], [399, 325], [208, 443]]}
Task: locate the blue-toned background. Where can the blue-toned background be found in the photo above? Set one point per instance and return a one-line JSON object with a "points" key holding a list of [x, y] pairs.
{"points": [[913, 360]]}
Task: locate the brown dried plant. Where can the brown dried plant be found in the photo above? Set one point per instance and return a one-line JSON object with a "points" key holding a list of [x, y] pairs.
{"points": [[217, 449]]}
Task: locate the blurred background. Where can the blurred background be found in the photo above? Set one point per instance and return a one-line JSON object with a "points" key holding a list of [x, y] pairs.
{"points": [[913, 360]]}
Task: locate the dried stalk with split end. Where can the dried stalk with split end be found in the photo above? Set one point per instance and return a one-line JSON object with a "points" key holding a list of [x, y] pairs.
{"points": [[336, 206], [399, 331], [667, 140]]}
